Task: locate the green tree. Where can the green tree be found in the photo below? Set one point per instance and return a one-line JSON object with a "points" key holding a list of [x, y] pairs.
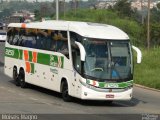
{"points": [[155, 34], [158, 5], [124, 8], [37, 14], [155, 15]]}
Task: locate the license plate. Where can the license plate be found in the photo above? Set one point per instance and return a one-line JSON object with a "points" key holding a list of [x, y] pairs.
{"points": [[110, 96]]}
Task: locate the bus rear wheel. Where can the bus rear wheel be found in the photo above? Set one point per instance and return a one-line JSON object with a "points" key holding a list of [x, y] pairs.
{"points": [[15, 78], [21, 78], [66, 97]]}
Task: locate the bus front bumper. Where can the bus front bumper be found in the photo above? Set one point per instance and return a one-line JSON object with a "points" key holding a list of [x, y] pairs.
{"points": [[90, 94]]}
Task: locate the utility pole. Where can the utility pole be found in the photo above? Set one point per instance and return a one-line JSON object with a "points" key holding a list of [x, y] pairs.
{"points": [[148, 25], [64, 8], [57, 9], [75, 6], [142, 19]]}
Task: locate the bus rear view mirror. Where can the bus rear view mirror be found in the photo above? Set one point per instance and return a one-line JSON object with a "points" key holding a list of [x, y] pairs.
{"points": [[82, 51], [139, 54]]}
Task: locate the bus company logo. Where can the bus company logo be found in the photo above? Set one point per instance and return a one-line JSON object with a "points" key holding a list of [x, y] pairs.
{"points": [[112, 85], [106, 85], [56, 61], [55, 71], [9, 52], [52, 61]]}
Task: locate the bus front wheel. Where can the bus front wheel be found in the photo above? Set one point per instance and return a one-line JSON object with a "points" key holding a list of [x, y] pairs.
{"points": [[66, 97]]}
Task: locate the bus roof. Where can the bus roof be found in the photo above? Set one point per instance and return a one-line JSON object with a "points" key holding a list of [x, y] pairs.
{"points": [[86, 29]]}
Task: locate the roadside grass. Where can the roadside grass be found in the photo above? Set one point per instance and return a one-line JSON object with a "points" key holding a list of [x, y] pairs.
{"points": [[148, 72]]}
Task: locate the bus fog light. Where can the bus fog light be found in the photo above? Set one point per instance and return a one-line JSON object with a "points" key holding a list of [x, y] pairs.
{"points": [[85, 93], [131, 95]]}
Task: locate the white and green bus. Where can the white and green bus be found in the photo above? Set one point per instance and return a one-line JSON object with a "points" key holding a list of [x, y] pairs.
{"points": [[89, 61]]}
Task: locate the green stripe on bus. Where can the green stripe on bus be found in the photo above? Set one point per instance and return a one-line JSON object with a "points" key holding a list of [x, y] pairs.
{"points": [[13, 53], [20, 54], [42, 58], [88, 81], [32, 67], [62, 60], [30, 56], [119, 85], [101, 84], [123, 84]]}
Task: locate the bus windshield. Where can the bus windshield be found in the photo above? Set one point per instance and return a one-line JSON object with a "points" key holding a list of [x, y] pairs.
{"points": [[107, 59]]}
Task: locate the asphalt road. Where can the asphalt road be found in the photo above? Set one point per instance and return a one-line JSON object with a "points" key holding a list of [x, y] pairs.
{"points": [[36, 100]]}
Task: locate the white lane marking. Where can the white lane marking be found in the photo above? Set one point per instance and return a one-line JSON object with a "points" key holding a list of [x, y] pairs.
{"points": [[46, 103], [33, 98], [21, 94], [2, 87], [12, 91]]}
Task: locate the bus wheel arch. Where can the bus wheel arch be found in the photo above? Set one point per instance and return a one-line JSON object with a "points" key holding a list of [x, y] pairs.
{"points": [[64, 89], [21, 78]]}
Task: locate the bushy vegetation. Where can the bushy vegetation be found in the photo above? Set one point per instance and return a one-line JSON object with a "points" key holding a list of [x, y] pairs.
{"points": [[147, 73]]}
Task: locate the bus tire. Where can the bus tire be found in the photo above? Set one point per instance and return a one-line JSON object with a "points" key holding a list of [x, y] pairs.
{"points": [[15, 78], [21, 78], [66, 97]]}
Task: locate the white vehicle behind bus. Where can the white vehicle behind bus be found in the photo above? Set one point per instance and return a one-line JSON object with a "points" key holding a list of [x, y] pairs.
{"points": [[3, 36], [89, 61]]}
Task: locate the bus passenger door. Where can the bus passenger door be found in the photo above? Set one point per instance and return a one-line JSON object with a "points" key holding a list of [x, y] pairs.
{"points": [[76, 62], [77, 70]]}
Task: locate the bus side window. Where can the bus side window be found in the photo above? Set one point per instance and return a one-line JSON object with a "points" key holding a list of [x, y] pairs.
{"points": [[43, 39], [29, 38], [10, 35], [60, 42], [21, 37], [53, 41], [15, 38], [48, 39], [38, 41]]}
